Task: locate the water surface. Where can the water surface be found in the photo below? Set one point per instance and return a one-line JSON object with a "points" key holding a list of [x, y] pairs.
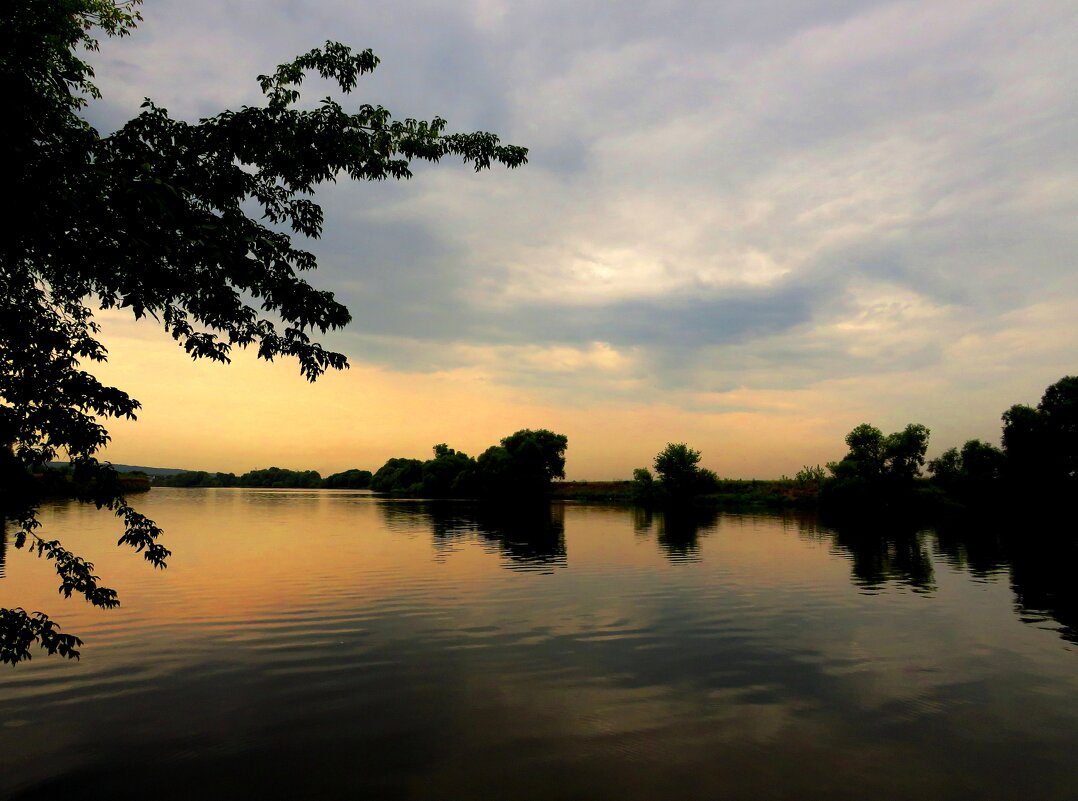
{"points": [[307, 643]]}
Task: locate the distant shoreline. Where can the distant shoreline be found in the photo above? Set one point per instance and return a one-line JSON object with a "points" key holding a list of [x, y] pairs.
{"points": [[737, 493], [58, 485]]}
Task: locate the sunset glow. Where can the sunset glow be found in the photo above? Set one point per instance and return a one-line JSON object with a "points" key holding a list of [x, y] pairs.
{"points": [[749, 230]]}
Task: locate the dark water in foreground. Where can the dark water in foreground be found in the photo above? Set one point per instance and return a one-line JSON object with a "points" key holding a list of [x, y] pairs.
{"points": [[329, 644]]}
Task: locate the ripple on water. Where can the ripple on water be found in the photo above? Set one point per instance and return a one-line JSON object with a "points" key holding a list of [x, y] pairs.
{"points": [[438, 655]]}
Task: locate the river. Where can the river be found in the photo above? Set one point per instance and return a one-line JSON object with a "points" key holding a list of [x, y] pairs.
{"points": [[306, 644]]}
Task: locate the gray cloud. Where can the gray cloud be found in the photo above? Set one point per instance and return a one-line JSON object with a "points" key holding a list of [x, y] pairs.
{"points": [[769, 194]]}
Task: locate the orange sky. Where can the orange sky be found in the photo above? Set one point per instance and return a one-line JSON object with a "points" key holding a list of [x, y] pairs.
{"points": [[251, 414], [749, 232]]}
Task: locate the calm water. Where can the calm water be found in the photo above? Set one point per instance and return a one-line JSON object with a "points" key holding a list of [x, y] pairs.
{"points": [[306, 644]]}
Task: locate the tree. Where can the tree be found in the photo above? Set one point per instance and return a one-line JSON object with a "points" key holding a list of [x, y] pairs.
{"points": [[878, 471], [982, 463], [643, 487], [349, 479], [680, 476], [904, 453], [155, 218], [946, 469], [397, 475], [1041, 444], [865, 456], [450, 472], [873, 458], [523, 465], [279, 478], [971, 475], [538, 456]]}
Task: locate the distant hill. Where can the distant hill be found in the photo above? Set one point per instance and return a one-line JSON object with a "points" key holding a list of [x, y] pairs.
{"points": [[131, 468]]}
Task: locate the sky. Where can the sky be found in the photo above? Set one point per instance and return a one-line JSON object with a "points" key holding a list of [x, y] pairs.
{"points": [[748, 226]]}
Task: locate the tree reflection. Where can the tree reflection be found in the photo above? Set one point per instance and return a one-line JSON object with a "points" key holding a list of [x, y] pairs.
{"points": [[3, 545], [1043, 581], [643, 519], [678, 529], [977, 546], [879, 554], [1042, 565], [1038, 550], [530, 536]]}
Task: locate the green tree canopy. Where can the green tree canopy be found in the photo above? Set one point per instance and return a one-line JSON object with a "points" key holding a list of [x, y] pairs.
{"points": [[185, 223], [878, 471], [449, 473], [348, 479], [970, 475], [680, 475], [522, 466], [1041, 444], [676, 466], [865, 455], [904, 453], [398, 475], [873, 458]]}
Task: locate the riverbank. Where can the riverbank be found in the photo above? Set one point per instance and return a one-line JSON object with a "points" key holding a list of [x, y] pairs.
{"points": [[730, 493], [59, 485]]}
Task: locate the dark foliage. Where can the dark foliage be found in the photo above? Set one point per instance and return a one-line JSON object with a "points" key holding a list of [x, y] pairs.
{"points": [[970, 476], [879, 474], [681, 478], [398, 475], [522, 466], [1041, 445], [1037, 467], [278, 478], [529, 535], [349, 479], [270, 478], [197, 478]]}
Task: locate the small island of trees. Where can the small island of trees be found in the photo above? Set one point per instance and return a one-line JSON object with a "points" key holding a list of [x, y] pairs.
{"points": [[269, 478], [523, 465]]}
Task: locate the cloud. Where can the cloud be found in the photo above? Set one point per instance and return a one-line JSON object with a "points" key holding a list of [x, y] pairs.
{"points": [[771, 196]]}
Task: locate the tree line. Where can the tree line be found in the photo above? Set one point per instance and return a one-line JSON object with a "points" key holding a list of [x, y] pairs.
{"points": [[1035, 465], [269, 478], [522, 465], [1036, 462]]}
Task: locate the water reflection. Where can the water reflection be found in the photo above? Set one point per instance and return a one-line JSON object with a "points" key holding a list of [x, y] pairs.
{"points": [[262, 662], [1045, 584], [977, 547], [677, 530], [530, 537], [1042, 568], [1040, 554], [879, 555], [3, 546]]}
